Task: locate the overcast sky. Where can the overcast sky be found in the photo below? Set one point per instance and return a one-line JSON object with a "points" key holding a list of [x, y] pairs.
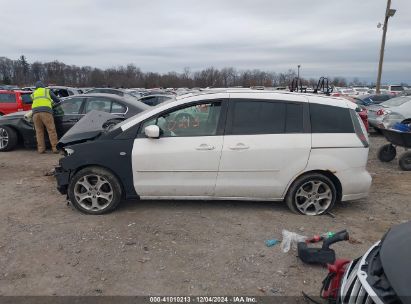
{"points": [[327, 37]]}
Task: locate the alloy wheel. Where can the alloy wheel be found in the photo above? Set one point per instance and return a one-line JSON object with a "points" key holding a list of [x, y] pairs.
{"points": [[93, 192], [313, 197], [4, 138]]}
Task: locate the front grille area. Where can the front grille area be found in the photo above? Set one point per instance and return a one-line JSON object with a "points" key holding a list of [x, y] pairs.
{"points": [[354, 287]]}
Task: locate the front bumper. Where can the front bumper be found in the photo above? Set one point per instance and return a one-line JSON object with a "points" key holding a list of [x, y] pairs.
{"points": [[62, 177]]}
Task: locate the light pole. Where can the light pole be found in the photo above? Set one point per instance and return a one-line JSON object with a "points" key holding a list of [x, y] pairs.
{"points": [[298, 73], [388, 13]]}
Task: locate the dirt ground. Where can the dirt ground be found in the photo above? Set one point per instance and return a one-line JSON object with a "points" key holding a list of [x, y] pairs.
{"points": [[172, 247]]}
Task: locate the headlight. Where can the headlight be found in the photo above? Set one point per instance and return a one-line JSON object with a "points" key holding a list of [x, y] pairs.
{"points": [[68, 151]]}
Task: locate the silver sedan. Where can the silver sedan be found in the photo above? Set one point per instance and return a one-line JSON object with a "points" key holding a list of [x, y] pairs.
{"points": [[387, 113]]}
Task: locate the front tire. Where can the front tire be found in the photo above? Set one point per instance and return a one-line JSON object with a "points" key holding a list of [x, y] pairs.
{"points": [[311, 194], [8, 139], [94, 190]]}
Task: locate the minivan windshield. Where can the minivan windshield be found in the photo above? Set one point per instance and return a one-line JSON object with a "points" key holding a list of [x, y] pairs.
{"points": [[396, 102], [119, 125]]}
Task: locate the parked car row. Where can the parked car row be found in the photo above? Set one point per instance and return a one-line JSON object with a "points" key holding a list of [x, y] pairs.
{"points": [[392, 90], [17, 129]]}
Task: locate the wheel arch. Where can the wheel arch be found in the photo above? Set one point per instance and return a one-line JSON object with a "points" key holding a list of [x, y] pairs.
{"points": [[75, 171], [326, 173]]}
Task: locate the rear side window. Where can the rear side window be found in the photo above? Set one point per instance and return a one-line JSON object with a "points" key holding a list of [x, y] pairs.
{"points": [[98, 104], [7, 98], [70, 106], [26, 98], [330, 119], [117, 108], [150, 101], [265, 117]]}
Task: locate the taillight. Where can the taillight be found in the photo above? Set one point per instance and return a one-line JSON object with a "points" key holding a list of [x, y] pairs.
{"points": [[380, 112], [359, 128]]}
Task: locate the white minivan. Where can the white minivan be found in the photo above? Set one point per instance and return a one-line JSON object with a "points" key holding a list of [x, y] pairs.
{"points": [[307, 150]]}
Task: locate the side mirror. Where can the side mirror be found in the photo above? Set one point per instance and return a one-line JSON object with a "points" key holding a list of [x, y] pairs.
{"points": [[152, 131]]}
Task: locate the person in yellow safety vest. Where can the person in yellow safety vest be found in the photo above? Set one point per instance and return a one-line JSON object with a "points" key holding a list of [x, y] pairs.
{"points": [[42, 108]]}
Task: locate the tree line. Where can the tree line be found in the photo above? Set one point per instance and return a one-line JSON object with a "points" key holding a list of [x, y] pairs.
{"points": [[22, 73]]}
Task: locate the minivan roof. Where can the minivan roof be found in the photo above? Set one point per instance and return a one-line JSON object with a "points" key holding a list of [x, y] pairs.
{"points": [[244, 90], [223, 93]]}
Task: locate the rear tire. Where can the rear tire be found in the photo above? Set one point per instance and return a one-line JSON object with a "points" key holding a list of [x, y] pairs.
{"points": [[311, 194], [405, 161], [8, 139], [94, 190], [387, 153]]}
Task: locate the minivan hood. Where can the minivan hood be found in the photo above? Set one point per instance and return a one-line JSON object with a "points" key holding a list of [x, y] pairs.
{"points": [[87, 128]]}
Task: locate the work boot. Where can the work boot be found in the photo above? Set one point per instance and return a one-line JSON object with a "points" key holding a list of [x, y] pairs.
{"points": [[41, 151], [55, 151]]}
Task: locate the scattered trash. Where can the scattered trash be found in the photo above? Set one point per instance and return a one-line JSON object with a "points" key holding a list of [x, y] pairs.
{"points": [[261, 289], [272, 242], [49, 173], [324, 255], [143, 260], [275, 290], [130, 243], [131, 224], [319, 238], [331, 214], [290, 239]]}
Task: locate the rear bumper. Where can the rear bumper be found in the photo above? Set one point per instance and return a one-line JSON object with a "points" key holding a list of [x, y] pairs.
{"points": [[375, 122], [62, 177], [355, 183]]}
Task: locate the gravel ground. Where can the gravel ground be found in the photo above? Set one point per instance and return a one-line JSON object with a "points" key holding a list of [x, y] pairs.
{"points": [[172, 247]]}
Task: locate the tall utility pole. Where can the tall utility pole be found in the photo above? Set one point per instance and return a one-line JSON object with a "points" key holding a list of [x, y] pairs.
{"points": [[388, 13]]}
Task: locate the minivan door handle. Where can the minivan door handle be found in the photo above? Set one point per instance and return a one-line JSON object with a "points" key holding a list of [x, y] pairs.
{"points": [[239, 146], [205, 147]]}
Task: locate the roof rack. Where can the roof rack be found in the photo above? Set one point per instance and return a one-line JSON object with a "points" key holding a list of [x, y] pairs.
{"points": [[323, 86]]}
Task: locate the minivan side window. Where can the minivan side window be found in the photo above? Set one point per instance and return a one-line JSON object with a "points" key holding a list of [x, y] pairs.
{"points": [[249, 117], [200, 119], [330, 119]]}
